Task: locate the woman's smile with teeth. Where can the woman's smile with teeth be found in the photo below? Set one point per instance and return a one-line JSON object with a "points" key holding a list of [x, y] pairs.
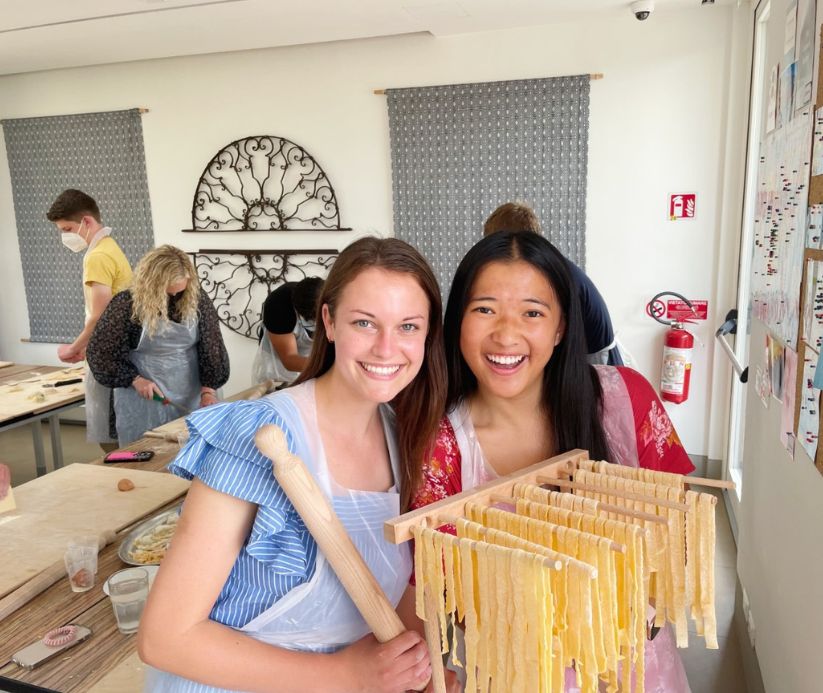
{"points": [[380, 370], [505, 360]]}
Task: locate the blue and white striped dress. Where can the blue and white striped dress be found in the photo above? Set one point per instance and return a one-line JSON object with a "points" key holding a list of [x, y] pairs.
{"points": [[279, 553]]}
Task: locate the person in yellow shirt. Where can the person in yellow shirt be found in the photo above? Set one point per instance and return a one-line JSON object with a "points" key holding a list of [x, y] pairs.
{"points": [[106, 272]]}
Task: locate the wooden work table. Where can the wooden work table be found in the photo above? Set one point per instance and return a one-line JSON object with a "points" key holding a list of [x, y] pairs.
{"points": [[106, 662], [17, 382]]}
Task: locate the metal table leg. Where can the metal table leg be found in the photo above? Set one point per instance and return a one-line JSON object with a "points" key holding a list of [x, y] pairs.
{"points": [[56, 441], [39, 456]]}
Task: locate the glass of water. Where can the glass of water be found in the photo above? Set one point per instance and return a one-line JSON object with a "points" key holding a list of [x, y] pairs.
{"points": [[128, 590]]}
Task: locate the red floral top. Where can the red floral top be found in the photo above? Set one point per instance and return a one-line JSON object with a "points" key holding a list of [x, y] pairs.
{"points": [[658, 445]]}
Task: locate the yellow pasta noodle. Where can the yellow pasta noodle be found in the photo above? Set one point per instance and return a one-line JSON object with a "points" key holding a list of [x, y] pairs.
{"points": [[706, 528]]}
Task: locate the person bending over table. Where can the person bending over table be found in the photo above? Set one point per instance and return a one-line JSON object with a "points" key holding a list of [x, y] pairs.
{"points": [[247, 602], [289, 314], [158, 340], [520, 391]]}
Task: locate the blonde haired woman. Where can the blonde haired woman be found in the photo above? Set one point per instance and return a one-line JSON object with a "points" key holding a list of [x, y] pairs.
{"points": [[160, 337]]}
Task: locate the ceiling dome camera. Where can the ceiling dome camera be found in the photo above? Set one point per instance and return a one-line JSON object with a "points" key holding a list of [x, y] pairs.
{"points": [[642, 9]]}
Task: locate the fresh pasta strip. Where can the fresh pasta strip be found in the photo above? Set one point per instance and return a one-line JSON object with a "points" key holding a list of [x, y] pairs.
{"points": [[486, 617], [677, 534], [562, 500], [638, 473], [420, 558], [706, 528], [693, 561], [471, 637], [439, 587]]}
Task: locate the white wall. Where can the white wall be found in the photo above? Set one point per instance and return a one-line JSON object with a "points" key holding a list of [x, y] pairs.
{"points": [[780, 563], [658, 125]]}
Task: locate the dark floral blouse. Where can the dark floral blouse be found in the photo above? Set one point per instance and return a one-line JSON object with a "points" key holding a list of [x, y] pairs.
{"points": [[116, 335]]}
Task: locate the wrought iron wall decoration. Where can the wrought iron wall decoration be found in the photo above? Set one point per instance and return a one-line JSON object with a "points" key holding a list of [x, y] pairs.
{"points": [[238, 281], [264, 183]]}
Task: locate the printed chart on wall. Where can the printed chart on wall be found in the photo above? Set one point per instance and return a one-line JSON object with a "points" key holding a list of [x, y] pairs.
{"points": [[811, 341], [780, 226]]}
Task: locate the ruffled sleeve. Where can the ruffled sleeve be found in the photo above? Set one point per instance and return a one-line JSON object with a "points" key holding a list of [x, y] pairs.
{"points": [[221, 453]]}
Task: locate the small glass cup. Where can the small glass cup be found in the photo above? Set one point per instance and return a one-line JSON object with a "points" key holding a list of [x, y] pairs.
{"points": [[128, 590], [81, 563]]}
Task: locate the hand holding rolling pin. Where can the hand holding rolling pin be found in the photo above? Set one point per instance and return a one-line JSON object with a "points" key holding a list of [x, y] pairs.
{"points": [[401, 664], [146, 388]]}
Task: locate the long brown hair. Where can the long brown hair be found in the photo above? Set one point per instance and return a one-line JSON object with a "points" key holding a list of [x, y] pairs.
{"points": [[420, 405]]}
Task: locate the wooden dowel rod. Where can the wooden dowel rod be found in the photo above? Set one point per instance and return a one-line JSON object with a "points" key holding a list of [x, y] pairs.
{"points": [[398, 530], [694, 480], [617, 510], [639, 514], [651, 500], [549, 562], [331, 537], [614, 546], [381, 92], [713, 483]]}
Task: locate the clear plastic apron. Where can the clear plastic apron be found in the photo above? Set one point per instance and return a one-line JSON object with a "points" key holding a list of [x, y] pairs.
{"points": [[319, 616], [169, 359], [267, 364], [98, 397]]}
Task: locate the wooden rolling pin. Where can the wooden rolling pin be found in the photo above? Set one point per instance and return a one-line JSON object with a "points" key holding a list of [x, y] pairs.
{"points": [[331, 537], [42, 581]]}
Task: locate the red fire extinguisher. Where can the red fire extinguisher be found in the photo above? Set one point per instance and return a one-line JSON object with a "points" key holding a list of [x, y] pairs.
{"points": [[677, 352]]}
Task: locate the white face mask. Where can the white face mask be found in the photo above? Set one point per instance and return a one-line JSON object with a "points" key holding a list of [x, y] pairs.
{"points": [[74, 241]]}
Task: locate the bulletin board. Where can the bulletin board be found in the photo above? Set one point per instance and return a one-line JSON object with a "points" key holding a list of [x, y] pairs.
{"points": [[787, 263], [810, 341], [780, 227], [810, 329]]}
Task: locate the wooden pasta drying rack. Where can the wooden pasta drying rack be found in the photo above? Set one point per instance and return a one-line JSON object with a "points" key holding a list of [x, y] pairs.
{"points": [[554, 471]]}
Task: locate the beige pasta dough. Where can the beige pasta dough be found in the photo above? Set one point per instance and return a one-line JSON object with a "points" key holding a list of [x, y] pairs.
{"points": [[555, 582]]}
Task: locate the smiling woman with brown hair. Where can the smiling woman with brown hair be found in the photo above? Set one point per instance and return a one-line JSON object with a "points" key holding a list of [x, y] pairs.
{"points": [[265, 611]]}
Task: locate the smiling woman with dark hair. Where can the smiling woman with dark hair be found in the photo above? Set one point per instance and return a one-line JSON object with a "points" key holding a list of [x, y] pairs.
{"points": [[521, 391]]}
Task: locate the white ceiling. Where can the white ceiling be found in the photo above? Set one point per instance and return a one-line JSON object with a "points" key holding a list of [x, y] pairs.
{"points": [[48, 34]]}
